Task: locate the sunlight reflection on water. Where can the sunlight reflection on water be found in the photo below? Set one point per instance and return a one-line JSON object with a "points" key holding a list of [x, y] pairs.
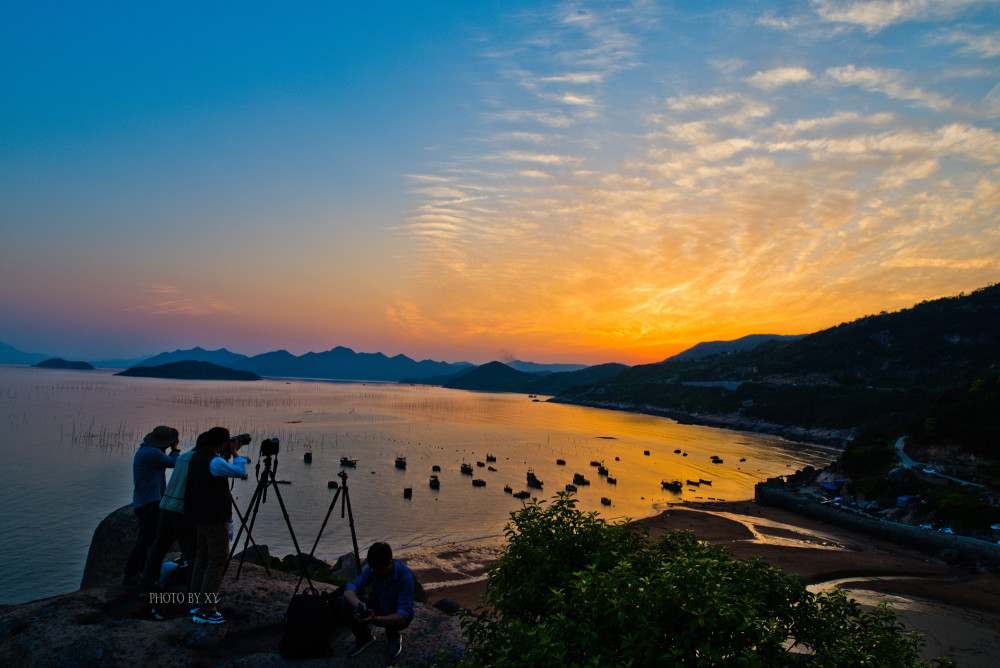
{"points": [[67, 440]]}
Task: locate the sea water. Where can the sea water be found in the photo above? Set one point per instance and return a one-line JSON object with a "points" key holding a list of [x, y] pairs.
{"points": [[67, 439]]}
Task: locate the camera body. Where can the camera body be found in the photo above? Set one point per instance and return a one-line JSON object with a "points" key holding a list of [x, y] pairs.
{"points": [[360, 610], [269, 447]]}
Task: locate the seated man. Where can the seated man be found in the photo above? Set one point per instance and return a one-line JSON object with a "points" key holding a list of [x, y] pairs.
{"points": [[390, 604]]}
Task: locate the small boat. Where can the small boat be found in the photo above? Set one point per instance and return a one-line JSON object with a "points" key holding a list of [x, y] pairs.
{"points": [[704, 482], [693, 482], [401, 463], [646, 452], [435, 468], [677, 451], [435, 483], [491, 468], [481, 464], [491, 458], [508, 489], [570, 488], [612, 481], [347, 461], [594, 462], [522, 495], [533, 481], [685, 454], [560, 462], [602, 470], [478, 483], [716, 461], [407, 492], [672, 485], [332, 484], [618, 459], [467, 469], [578, 479], [307, 458], [743, 459], [605, 501]]}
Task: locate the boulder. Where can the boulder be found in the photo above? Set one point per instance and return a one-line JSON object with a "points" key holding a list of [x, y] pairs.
{"points": [[110, 547], [260, 556], [348, 567]]}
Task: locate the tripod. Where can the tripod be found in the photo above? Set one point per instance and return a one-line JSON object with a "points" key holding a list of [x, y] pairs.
{"points": [[260, 496], [345, 504]]}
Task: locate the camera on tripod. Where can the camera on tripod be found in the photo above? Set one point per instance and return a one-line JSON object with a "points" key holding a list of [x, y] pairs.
{"points": [[269, 447]]}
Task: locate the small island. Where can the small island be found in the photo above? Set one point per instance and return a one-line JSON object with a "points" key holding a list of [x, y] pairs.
{"points": [[60, 363], [189, 370]]}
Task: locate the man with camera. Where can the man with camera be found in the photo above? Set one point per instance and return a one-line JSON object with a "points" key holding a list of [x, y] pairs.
{"points": [[149, 479], [390, 604], [208, 506]]}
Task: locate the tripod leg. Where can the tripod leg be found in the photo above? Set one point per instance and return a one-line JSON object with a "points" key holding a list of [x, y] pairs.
{"points": [[236, 541], [350, 520], [252, 514], [291, 532]]}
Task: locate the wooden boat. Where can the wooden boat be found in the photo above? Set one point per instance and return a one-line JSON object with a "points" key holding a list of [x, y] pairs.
{"points": [[491, 458], [481, 464], [435, 483], [693, 482], [332, 484], [560, 462], [508, 489], [407, 492], [467, 469], [307, 458], [570, 488], [612, 481], [672, 485], [435, 468], [605, 501], [704, 482], [491, 468], [594, 462], [677, 451], [400, 462], [478, 483], [578, 479], [716, 461], [533, 481], [522, 495], [347, 461], [602, 470], [646, 452]]}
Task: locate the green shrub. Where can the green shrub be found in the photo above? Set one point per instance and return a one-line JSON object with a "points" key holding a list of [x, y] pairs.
{"points": [[571, 589]]}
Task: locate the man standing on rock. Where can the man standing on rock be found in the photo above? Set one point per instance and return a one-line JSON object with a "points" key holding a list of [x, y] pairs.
{"points": [[149, 478], [208, 506], [390, 604]]}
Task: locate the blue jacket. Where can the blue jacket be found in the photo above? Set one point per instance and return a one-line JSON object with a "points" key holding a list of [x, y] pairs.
{"points": [[149, 474], [392, 595]]}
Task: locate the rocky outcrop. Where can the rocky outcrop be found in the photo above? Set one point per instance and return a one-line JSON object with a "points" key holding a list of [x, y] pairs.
{"points": [[110, 547]]}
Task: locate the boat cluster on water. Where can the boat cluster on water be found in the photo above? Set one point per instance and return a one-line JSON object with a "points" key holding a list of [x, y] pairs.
{"points": [[531, 480]]}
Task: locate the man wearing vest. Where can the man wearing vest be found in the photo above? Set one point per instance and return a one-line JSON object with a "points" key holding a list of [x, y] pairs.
{"points": [[208, 506]]}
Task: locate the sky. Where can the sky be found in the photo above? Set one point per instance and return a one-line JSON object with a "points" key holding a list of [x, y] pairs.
{"points": [[579, 182]]}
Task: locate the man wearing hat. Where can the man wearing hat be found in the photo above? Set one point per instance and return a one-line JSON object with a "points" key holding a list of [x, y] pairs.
{"points": [[149, 477]]}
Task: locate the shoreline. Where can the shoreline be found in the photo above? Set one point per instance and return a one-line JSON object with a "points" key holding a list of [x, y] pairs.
{"points": [[832, 438]]}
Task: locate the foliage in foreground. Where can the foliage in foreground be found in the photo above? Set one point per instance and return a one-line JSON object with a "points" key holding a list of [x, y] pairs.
{"points": [[571, 589]]}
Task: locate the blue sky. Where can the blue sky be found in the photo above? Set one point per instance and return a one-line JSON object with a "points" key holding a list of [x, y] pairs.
{"points": [[549, 181]]}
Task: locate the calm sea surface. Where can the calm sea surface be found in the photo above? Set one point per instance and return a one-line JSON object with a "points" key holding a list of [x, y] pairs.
{"points": [[67, 441]]}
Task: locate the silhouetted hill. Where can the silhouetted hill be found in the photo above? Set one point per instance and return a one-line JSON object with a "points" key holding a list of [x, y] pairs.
{"points": [[11, 355], [535, 367], [707, 348], [222, 357], [873, 371], [498, 377], [59, 363], [189, 370]]}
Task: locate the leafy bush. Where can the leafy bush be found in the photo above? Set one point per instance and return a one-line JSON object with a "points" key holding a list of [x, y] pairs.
{"points": [[571, 589]]}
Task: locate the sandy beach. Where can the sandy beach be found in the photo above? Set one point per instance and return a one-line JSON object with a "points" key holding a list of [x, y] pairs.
{"points": [[957, 610]]}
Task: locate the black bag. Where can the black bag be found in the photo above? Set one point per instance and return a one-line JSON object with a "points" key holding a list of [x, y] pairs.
{"points": [[303, 632]]}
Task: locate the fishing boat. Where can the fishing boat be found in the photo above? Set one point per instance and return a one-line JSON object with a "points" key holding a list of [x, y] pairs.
{"points": [[435, 483], [646, 452], [522, 495], [533, 481], [693, 482], [307, 458], [605, 501], [467, 469], [602, 470], [491, 468], [560, 462], [435, 468], [407, 492], [672, 485], [578, 479], [401, 462], [570, 488], [508, 489], [478, 482], [481, 464], [491, 458], [677, 451], [704, 482], [347, 461], [594, 462], [612, 481]]}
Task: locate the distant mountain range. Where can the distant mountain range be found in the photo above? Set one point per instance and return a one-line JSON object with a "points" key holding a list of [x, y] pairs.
{"points": [[189, 370]]}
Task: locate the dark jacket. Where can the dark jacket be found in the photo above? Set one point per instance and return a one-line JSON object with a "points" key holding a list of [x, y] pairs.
{"points": [[206, 498]]}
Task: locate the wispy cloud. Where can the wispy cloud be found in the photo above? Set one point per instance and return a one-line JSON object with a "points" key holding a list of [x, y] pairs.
{"points": [[888, 82], [780, 76], [167, 299], [875, 15]]}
